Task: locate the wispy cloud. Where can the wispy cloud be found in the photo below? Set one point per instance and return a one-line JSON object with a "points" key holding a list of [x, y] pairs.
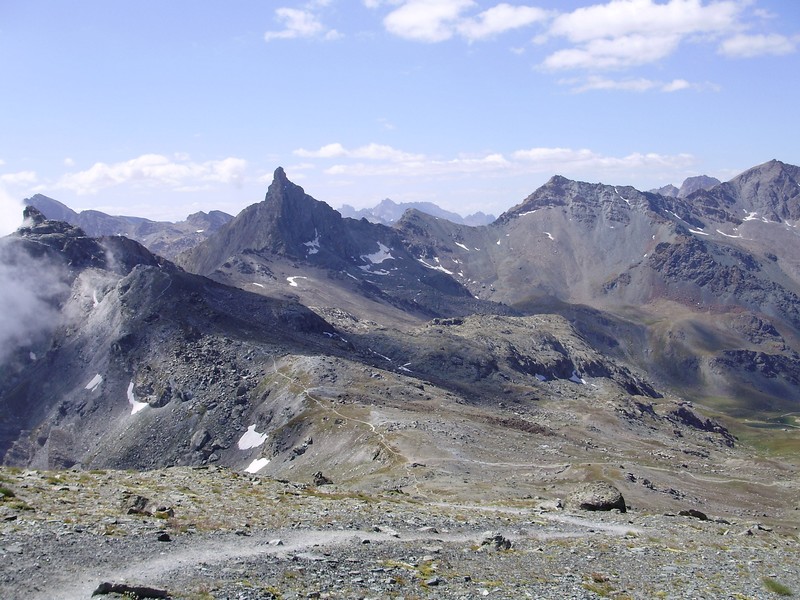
{"points": [[155, 170], [27, 307], [18, 178], [300, 23], [540, 160], [565, 160], [10, 213], [499, 19], [440, 20], [640, 85], [370, 151], [749, 46]]}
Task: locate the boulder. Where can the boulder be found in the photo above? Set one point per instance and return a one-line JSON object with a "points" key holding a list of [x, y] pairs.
{"points": [[492, 539], [320, 479], [134, 504], [598, 495]]}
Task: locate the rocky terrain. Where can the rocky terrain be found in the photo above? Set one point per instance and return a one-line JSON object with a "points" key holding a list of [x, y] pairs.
{"points": [[214, 533]]}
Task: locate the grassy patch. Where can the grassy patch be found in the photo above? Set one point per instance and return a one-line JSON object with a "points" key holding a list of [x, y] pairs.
{"points": [[777, 587], [6, 493]]}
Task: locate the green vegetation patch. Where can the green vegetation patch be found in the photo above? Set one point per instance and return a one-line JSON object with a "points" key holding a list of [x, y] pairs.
{"points": [[776, 587]]}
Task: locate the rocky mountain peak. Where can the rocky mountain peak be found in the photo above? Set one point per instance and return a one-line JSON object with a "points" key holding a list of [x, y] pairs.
{"points": [[65, 243], [33, 216], [281, 186], [52, 209], [37, 226], [770, 191], [289, 223], [585, 201], [700, 182]]}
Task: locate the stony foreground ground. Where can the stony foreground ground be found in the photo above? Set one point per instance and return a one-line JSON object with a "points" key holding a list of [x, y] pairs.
{"points": [[213, 533]]}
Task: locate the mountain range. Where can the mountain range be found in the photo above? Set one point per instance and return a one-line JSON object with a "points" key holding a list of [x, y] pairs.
{"points": [[589, 325], [162, 237], [388, 212]]}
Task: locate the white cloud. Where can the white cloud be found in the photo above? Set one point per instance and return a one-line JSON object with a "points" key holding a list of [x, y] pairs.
{"points": [[625, 33], [488, 164], [627, 17], [440, 20], [499, 19], [567, 160], [539, 160], [748, 46], [370, 151], [328, 151], [676, 85], [155, 170], [616, 53], [68, 162], [597, 83], [603, 36], [10, 213], [300, 23], [426, 20], [27, 301], [19, 178], [601, 83]]}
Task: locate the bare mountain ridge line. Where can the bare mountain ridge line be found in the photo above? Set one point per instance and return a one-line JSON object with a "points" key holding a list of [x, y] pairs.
{"points": [[162, 237], [169, 239]]}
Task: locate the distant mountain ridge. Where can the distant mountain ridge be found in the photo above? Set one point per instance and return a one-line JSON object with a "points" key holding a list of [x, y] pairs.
{"points": [[388, 212], [689, 186], [162, 237]]}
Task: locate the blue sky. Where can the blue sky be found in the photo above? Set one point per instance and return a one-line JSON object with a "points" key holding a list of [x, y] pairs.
{"points": [[160, 109]]}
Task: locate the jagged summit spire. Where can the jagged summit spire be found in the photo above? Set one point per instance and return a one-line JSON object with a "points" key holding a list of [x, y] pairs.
{"points": [[281, 185]]}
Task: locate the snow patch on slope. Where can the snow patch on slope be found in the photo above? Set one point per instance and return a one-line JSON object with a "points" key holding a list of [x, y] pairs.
{"points": [[94, 383], [313, 245], [434, 267], [135, 405], [383, 253], [576, 378], [257, 465], [251, 438]]}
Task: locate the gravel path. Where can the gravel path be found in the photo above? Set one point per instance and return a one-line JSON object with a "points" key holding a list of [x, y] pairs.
{"points": [[62, 540]]}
